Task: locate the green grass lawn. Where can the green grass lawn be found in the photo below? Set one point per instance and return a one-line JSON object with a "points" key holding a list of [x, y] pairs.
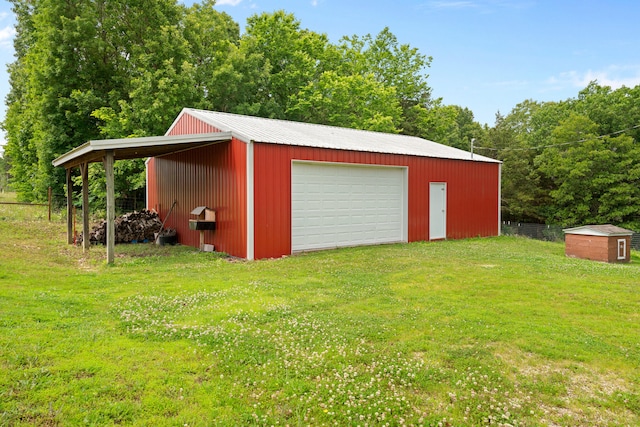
{"points": [[502, 331]]}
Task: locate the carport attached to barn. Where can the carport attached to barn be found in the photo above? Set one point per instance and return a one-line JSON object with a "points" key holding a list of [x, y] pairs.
{"points": [[279, 187], [108, 151]]}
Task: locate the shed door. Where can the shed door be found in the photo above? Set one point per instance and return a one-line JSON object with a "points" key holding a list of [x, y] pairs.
{"points": [[334, 205], [437, 210], [622, 249]]}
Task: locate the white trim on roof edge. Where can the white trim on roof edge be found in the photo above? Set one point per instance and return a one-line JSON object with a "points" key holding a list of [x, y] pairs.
{"points": [[193, 113], [141, 142], [175, 121]]}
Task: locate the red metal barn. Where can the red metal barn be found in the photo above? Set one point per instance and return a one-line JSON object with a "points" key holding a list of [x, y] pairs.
{"points": [[281, 187]]}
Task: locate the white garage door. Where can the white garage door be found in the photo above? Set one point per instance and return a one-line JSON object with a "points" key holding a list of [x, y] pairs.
{"points": [[335, 205]]}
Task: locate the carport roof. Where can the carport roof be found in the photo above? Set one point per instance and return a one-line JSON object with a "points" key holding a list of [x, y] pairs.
{"points": [[133, 148]]}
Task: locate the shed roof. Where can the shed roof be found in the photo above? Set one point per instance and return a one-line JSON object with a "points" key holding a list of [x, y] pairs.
{"points": [[599, 230], [258, 129], [199, 210], [135, 148]]}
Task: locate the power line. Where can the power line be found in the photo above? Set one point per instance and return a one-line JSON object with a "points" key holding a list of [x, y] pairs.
{"points": [[558, 145]]}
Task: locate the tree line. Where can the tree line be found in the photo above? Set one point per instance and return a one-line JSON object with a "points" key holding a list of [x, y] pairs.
{"points": [[572, 162], [91, 69]]}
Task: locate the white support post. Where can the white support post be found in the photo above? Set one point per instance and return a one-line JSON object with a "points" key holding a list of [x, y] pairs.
{"points": [[499, 199]]}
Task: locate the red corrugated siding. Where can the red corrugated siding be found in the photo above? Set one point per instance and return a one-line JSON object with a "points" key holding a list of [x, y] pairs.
{"points": [[188, 125], [472, 193], [213, 176]]}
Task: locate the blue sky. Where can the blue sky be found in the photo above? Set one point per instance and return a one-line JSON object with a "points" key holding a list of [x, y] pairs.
{"points": [[488, 55]]}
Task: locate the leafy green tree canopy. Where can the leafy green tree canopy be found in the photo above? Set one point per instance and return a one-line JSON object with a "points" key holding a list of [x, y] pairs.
{"points": [[572, 162], [88, 69]]}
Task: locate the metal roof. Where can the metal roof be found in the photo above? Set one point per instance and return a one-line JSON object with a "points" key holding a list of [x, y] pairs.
{"points": [[599, 230], [134, 148], [258, 129]]}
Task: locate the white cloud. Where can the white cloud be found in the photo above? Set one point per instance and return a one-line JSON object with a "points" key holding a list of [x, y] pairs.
{"points": [[228, 2], [614, 76], [6, 35]]}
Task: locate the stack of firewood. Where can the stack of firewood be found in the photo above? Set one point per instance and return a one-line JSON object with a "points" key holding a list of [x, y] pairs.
{"points": [[130, 227]]}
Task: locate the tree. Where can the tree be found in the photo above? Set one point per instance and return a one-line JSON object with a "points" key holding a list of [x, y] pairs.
{"points": [[292, 57], [87, 69], [167, 72], [446, 124], [468, 128], [596, 179], [612, 110], [517, 139], [548, 177], [392, 65], [73, 58], [521, 193], [18, 125], [187, 61], [437, 123], [354, 101], [4, 175], [366, 83], [222, 78]]}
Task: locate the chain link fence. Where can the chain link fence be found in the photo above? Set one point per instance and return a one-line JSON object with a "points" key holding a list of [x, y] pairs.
{"points": [[551, 233]]}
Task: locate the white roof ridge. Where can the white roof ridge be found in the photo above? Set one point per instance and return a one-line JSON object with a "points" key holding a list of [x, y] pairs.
{"points": [[309, 124]]}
